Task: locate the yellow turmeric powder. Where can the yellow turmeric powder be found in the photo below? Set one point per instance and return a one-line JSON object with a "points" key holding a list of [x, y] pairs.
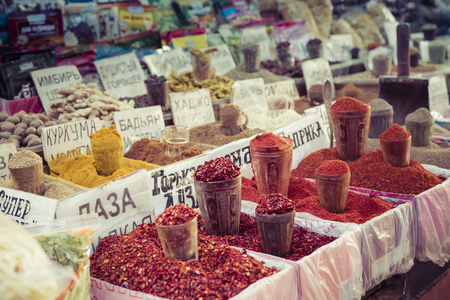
{"points": [[82, 170], [107, 149]]}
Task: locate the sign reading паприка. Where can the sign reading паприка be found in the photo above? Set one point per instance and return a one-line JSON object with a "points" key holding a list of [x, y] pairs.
{"points": [[192, 108], [26, 208], [121, 204], [174, 184], [7, 150], [162, 64], [286, 87], [68, 139], [222, 61], [122, 75], [316, 71], [49, 81], [133, 125], [438, 94]]}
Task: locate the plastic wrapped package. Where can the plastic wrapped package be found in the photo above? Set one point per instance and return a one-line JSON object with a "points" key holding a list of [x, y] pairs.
{"points": [[366, 27], [333, 271], [29, 105], [433, 224], [341, 26], [322, 11], [68, 242], [380, 14], [297, 12], [280, 286]]}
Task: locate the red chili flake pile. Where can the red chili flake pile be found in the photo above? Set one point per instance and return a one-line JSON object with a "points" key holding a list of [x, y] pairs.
{"points": [[269, 140], [136, 261], [303, 242], [310, 163], [358, 208], [176, 215], [395, 133], [274, 204], [370, 171], [332, 167], [217, 169], [349, 104]]}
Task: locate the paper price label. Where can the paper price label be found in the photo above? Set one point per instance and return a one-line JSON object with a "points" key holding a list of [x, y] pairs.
{"points": [[192, 108], [49, 81], [286, 87], [341, 45], [222, 60], [257, 35], [121, 205], [147, 122], [68, 139], [316, 71], [26, 208], [438, 94], [247, 93], [162, 64], [122, 75], [7, 150]]}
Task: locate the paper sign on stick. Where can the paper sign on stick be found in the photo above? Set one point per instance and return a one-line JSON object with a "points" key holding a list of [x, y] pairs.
{"points": [[122, 75], [286, 87], [146, 122], [49, 81], [438, 94], [68, 139], [316, 71], [192, 108], [162, 64], [7, 150], [222, 61], [249, 92]]}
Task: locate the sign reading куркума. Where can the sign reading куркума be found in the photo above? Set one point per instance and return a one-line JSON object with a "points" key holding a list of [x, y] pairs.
{"points": [[193, 108], [49, 81], [122, 75], [146, 122]]}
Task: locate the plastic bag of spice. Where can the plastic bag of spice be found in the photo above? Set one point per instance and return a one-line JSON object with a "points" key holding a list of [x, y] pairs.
{"points": [[68, 242]]}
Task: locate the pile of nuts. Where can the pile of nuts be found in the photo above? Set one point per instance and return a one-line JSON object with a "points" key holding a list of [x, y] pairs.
{"points": [[83, 101], [23, 129]]}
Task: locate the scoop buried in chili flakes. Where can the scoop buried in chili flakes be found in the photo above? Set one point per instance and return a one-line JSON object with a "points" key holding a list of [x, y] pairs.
{"points": [[275, 204], [176, 215], [217, 169]]}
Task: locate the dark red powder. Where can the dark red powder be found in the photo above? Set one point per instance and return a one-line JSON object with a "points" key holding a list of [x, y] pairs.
{"points": [[332, 167], [395, 133], [349, 104], [358, 208], [310, 163], [268, 140], [370, 171], [303, 242]]}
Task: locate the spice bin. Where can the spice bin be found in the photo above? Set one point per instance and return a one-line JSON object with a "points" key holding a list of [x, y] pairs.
{"points": [[158, 91], [333, 182], [351, 122], [201, 63], [395, 145], [314, 48], [381, 117], [275, 216], [271, 157], [175, 139], [218, 187], [177, 230], [252, 57], [26, 169], [232, 119], [107, 149], [420, 125], [382, 65], [284, 54]]}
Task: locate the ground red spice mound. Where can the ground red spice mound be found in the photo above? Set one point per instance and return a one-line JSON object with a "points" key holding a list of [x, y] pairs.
{"points": [[349, 104], [331, 167], [303, 242], [370, 171], [268, 140], [303, 193], [395, 133], [310, 163]]}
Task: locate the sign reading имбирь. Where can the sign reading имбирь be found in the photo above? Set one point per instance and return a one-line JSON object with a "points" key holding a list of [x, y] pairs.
{"points": [[49, 81], [122, 75]]}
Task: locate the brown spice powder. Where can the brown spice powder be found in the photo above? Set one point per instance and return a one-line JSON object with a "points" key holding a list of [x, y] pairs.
{"points": [[24, 159]]}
